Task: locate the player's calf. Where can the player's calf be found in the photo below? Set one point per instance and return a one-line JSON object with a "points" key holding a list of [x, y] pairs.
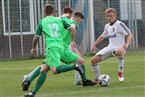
{"points": [[79, 68]]}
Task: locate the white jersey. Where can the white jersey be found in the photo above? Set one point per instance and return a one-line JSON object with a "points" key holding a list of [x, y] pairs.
{"points": [[116, 33]]}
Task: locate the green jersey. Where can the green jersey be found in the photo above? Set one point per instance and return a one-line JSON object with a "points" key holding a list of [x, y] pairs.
{"points": [[53, 28], [67, 34]]}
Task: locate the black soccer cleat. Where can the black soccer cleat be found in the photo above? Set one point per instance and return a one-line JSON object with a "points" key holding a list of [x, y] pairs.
{"points": [[79, 69], [89, 83], [31, 94], [25, 85]]}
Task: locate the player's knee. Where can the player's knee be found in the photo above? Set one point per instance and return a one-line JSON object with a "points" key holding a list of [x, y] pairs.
{"points": [[44, 68], [54, 72], [93, 61], [81, 60], [53, 69], [119, 52]]}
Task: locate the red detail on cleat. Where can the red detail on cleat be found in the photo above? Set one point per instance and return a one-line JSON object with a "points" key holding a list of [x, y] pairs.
{"points": [[120, 74]]}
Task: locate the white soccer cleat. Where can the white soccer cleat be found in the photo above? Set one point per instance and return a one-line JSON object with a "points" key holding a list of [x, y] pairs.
{"points": [[120, 76], [121, 79]]}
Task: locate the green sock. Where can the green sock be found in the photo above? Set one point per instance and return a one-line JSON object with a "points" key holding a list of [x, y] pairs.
{"points": [[40, 81], [31, 76], [83, 76], [64, 68]]}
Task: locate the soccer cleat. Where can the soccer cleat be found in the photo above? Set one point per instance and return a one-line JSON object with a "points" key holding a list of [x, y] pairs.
{"points": [[25, 85], [31, 94], [96, 81], [79, 68], [89, 83], [120, 76], [77, 83]]}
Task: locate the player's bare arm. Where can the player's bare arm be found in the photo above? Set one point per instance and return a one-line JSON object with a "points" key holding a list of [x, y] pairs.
{"points": [[73, 32], [99, 40], [34, 43], [65, 15], [73, 45], [128, 40]]}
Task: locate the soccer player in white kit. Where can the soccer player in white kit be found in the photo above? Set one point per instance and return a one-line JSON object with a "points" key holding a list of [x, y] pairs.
{"points": [[119, 39]]}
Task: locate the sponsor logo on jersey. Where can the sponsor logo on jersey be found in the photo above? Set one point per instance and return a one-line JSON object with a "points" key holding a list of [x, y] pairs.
{"points": [[112, 36]]}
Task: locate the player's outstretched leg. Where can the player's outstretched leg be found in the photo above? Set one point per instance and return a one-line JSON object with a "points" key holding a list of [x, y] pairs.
{"points": [[39, 83], [27, 79], [85, 81], [69, 67]]}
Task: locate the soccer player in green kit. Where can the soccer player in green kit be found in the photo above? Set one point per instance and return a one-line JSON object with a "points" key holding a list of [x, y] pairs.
{"points": [[69, 49], [54, 48], [67, 12]]}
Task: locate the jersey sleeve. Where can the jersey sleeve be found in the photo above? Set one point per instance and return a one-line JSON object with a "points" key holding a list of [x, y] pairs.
{"points": [[124, 28], [76, 25], [105, 33], [39, 29], [65, 23]]}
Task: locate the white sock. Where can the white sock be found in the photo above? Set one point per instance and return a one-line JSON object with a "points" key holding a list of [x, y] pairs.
{"points": [[32, 72], [120, 64], [77, 76], [96, 69]]}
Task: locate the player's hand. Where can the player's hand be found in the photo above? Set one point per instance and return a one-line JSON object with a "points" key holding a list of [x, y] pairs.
{"points": [[32, 51], [93, 49], [73, 45], [125, 46], [65, 15]]}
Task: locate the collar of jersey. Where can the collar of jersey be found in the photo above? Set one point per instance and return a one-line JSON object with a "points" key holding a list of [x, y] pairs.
{"points": [[112, 23]]}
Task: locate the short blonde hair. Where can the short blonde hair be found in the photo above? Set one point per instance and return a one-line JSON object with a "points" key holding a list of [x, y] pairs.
{"points": [[110, 10]]}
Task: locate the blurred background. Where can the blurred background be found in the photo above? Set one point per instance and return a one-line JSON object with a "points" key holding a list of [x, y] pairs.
{"points": [[19, 19]]}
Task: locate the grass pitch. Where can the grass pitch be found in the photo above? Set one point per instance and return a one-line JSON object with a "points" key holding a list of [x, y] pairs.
{"points": [[61, 85]]}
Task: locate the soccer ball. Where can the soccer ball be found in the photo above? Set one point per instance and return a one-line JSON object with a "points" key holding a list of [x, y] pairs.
{"points": [[104, 80]]}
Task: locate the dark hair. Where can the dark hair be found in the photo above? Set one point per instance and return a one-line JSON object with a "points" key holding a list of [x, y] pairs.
{"points": [[67, 9], [49, 9], [79, 15]]}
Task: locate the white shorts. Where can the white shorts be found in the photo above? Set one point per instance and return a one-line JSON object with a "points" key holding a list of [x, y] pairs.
{"points": [[107, 52]]}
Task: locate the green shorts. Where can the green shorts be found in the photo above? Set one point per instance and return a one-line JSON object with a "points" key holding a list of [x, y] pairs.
{"points": [[53, 56], [69, 56]]}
